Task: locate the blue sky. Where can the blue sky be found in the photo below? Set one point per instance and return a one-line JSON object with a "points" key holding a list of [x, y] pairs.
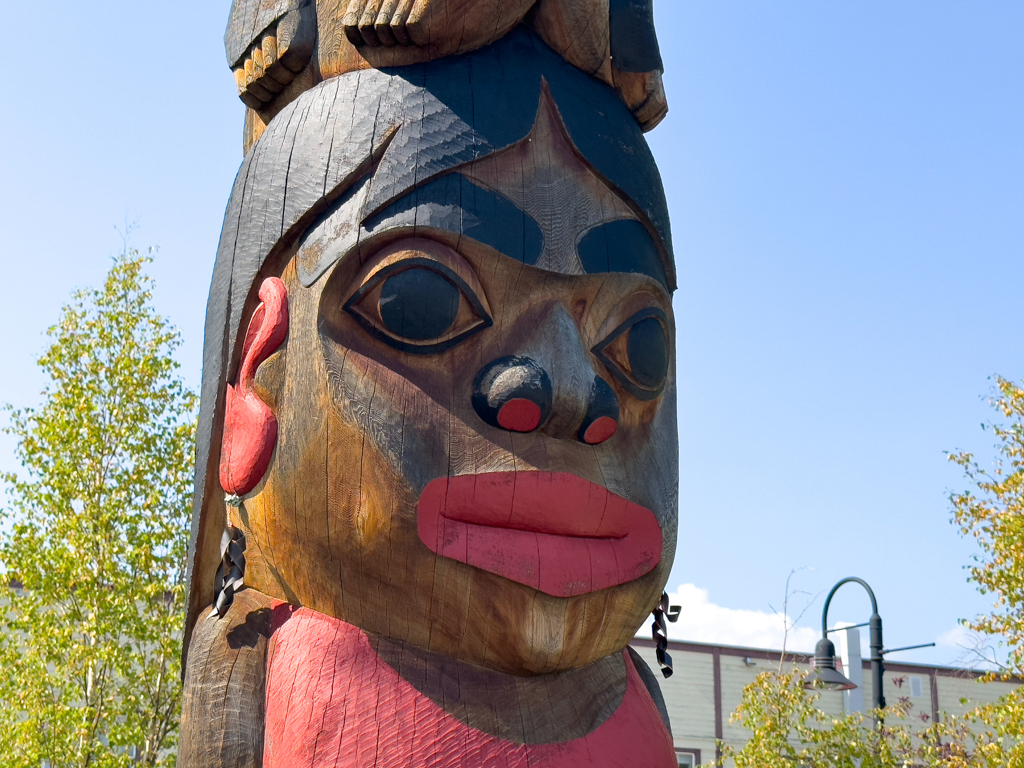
{"points": [[845, 183]]}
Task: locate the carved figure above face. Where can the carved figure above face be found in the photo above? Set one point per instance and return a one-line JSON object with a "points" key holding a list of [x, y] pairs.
{"points": [[280, 48]]}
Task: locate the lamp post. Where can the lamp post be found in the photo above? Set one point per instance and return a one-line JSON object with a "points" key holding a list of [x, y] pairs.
{"points": [[825, 673]]}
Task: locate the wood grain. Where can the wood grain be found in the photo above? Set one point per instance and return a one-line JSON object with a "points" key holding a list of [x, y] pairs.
{"points": [[544, 176], [579, 31], [222, 721], [377, 716], [270, 47], [268, 43], [644, 94]]}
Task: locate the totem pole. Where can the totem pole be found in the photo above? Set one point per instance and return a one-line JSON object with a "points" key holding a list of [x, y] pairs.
{"points": [[436, 483]]}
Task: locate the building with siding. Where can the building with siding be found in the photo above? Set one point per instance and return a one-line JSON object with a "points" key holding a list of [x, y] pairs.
{"points": [[709, 680]]}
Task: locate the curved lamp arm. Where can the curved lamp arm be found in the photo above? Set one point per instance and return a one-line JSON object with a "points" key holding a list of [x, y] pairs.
{"points": [[824, 613]]}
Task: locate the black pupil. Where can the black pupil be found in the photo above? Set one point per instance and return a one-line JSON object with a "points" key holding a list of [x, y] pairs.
{"points": [[419, 304], [647, 348]]}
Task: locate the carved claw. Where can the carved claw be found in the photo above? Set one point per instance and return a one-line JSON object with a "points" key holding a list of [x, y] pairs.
{"points": [[644, 94], [378, 22], [275, 57]]}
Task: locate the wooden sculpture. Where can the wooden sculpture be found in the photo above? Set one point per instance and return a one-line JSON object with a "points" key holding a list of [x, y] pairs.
{"points": [[281, 48], [437, 464]]}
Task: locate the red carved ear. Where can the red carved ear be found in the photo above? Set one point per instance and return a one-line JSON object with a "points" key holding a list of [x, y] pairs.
{"points": [[250, 429]]}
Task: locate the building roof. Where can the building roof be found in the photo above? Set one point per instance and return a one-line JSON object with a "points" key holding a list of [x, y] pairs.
{"points": [[808, 658]]}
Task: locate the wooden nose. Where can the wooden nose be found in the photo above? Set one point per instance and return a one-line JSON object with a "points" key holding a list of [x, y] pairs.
{"points": [[513, 393], [602, 419]]}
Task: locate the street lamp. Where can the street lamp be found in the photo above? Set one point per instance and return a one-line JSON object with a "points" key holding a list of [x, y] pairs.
{"points": [[825, 673]]}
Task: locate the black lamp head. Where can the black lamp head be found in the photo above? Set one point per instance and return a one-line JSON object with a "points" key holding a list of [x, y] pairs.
{"points": [[825, 673]]}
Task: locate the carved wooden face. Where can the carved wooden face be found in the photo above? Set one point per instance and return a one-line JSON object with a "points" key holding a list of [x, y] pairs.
{"points": [[477, 428]]}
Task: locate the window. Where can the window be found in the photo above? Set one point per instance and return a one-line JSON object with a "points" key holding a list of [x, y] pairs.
{"points": [[915, 687], [688, 758]]}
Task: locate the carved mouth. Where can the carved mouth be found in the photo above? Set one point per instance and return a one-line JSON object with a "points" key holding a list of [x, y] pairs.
{"points": [[553, 531]]}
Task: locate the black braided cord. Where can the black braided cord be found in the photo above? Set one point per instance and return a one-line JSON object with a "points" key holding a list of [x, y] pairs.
{"points": [[659, 631], [231, 572]]}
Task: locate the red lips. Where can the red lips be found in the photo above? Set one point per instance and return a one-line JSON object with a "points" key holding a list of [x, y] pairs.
{"points": [[552, 531]]}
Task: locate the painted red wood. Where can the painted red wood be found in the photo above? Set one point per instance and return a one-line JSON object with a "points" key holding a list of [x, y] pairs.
{"points": [[602, 429], [333, 703], [250, 429], [519, 415], [552, 531]]}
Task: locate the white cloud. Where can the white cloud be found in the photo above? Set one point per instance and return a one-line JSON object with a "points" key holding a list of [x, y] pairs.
{"points": [[957, 638], [970, 649], [702, 621]]}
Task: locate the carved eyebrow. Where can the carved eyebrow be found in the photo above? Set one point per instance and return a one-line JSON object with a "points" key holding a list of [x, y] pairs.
{"points": [[454, 203], [622, 246]]}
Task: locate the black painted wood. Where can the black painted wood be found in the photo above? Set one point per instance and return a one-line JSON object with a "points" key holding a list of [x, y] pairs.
{"points": [[491, 392], [634, 40], [455, 204], [249, 19], [603, 403], [646, 352], [622, 246], [372, 319], [419, 304], [647, 349], [494, 92]]}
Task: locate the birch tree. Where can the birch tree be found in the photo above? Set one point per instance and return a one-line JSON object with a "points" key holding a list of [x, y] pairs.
{"points": [[93, 538]]}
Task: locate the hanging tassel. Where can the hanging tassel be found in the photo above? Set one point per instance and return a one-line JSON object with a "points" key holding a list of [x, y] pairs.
{"points": [[231, 572], [659, 632]]}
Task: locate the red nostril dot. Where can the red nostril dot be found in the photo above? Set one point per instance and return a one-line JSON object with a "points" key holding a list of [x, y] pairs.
{"points": [[602, 429], [519, 415]]}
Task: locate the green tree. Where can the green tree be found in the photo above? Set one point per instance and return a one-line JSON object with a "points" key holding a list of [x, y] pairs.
{"points": [[789, 731], [94, 539], [992, 512]]}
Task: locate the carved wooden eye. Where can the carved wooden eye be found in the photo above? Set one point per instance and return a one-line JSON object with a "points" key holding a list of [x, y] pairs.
{"points": [[418, 305], [637, 353]]}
